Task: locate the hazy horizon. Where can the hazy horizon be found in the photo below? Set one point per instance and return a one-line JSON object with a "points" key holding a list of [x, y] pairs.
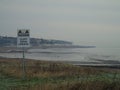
{"points": [[84, 22]]}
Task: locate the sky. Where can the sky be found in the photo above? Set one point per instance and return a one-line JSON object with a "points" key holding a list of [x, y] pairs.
{"points": [[84, 22]]}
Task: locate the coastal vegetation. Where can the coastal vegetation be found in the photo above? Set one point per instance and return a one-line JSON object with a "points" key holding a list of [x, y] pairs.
{"points": [[48, 75], [12, 41]]}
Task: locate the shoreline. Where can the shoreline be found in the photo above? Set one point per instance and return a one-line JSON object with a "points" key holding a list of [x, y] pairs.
{"points": [[99, 63], [17, 50], [80, 64]]}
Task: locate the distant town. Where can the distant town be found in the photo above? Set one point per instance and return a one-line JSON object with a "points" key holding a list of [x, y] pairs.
{"points": [[6, 41], [12, 41]]}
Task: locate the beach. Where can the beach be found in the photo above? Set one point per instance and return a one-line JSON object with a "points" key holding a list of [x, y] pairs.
{"points": [[101, 57]]}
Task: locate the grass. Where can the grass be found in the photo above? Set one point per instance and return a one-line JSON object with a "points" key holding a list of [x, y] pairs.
{"points": [[44, 75]]}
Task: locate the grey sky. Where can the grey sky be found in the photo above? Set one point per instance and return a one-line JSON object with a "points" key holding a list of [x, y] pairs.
{"points": [[93, 22]]}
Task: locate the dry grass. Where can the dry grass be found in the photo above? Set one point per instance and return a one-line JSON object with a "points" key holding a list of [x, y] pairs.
{"points": [[58, 76], [91, 85], [36, 68]]}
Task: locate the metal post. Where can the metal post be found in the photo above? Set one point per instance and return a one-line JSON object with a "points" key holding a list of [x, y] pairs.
{"points": [[23, 64]]}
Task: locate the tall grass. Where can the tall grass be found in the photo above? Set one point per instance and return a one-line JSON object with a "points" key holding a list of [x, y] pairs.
{"points": [[46, 75]]}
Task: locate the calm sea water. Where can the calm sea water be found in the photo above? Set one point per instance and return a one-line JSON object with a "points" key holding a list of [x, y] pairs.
{"points": [[74, 55]]}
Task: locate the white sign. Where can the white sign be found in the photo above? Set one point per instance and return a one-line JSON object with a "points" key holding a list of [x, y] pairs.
{"points": [[23, 38]]}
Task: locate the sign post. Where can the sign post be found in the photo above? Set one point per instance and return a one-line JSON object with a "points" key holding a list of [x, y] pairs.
{"points": [[23, 41]]}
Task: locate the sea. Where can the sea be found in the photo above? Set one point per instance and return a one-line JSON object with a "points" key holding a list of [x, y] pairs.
{"points": [[77, 56]]}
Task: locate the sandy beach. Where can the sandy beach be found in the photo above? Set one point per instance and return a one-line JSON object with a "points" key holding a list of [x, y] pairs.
{"points": [[81, 64], [94, 62]]}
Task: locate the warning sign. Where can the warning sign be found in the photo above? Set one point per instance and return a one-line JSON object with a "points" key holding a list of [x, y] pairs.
{"points": [[23, 38]]}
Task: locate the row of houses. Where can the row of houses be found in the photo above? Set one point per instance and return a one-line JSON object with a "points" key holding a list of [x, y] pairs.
{"points": [[12, 41]]}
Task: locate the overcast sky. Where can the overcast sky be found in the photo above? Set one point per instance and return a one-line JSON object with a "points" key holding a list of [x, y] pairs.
{"points": [[85, 22]]}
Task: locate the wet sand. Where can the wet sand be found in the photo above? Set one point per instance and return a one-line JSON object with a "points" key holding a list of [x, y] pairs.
{"points": [[83, 64], [96, 62]]}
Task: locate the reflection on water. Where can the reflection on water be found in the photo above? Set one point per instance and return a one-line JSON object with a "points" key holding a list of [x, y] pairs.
{"points": [[91, 55]]}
